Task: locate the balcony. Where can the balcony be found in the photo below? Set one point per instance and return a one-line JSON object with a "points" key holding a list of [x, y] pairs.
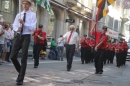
{"points": [[75, 5]]}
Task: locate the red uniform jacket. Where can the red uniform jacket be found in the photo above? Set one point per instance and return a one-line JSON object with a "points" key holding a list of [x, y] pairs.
{"points": [[119, 48], [40, 33], [82, 42], [126, 47], [99, 39], [87, 41], [92, 43], [107, 46]]}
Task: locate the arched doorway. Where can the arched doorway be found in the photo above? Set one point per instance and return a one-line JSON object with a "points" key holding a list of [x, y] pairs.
{"points": [[53, 23]]}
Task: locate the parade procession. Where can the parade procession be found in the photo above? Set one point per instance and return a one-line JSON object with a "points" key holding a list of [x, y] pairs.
{"points": [[64, 42]]}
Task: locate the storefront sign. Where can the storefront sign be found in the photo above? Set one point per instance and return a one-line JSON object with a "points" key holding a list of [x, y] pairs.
{"points": [[70, 20], [112, 33]]}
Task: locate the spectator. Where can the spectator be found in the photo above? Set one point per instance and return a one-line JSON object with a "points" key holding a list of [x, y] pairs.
{"points": [[53, 46], [1, 35], [7, 44], [60, 48], [10, 33]]}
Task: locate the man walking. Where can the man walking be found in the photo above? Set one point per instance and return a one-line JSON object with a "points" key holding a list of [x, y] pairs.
{"points": [[72, 42], [60, 48], [101, 40], [28, 21]]}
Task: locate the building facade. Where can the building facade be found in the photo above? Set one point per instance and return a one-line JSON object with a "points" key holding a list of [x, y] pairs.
{"points": [[64, 13], [115, 21]]}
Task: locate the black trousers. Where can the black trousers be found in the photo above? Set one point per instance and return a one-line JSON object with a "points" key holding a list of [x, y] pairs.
{"points": [[118, 59], [112, 53], [88, 56], [20, 42], [124, 57], [37, 49], [70, 49], [83, 54], [99, 57]]}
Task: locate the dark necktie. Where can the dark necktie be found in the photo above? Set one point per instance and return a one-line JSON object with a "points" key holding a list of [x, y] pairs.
{"points": [[24, 17]]}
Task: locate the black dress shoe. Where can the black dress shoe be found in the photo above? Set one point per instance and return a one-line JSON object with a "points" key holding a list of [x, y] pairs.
{"points": [[35, 66], [20, 82], [68, 69], [96, 72], [17, 78], [100, 73], [8, 60]]}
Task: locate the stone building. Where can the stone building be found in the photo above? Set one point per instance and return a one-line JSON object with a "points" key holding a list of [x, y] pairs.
{"points": [[64, 13]]}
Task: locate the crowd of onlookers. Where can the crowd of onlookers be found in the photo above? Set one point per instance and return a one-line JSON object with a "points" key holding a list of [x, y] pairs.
{"points": [[6, 40]]}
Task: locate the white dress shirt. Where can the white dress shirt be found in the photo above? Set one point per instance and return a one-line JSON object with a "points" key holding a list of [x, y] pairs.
{"points": [[74, 38], [62, 42], [9, 34], [30, 22]]}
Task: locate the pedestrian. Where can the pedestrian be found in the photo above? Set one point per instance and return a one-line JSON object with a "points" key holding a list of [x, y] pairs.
{"points": [[54, 47], [83, 48], [72, 43], [38, 43], [101, 39], [28, 20], [11, 32], [60, 48], [2, 35], [7, 44]]}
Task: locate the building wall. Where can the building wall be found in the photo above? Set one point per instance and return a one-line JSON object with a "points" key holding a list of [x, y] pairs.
{"points": [[55, 22]]}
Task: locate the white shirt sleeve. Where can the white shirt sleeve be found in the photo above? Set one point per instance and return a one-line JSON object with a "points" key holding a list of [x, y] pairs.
{"points": [[65, 36], [32, 25], [16, 23]]}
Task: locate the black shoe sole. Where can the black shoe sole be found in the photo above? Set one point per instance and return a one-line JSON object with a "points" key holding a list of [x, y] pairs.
{"points": [[19, 83]]}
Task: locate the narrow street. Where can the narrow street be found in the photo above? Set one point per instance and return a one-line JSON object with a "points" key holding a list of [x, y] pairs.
{"points": [[53, 73]]}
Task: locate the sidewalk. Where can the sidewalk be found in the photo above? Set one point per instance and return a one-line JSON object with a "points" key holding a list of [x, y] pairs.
{"points": [[53, 73]]}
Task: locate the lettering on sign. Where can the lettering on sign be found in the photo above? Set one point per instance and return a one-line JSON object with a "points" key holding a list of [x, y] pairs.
{"points": [[70, 20]]}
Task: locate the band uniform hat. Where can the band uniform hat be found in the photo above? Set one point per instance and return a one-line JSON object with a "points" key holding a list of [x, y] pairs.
{"points": [[104, 27], [40, 26], [29, 1]]}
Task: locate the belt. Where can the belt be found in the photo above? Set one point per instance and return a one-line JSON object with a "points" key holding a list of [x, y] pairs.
{"points": [[70, 44], [23, 34]]}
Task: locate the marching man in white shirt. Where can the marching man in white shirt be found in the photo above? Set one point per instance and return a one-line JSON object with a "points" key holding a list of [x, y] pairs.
{"points": [[28, 20], [72, 42]]}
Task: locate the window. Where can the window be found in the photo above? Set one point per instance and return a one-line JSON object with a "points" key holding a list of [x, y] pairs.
{"points": [[6, 5], [110, 22], [116, 25]]}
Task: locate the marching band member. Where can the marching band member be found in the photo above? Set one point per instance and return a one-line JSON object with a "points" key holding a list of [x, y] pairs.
{"points": [[101, 39], [118, 50], [92, 45], [83, 48]]}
